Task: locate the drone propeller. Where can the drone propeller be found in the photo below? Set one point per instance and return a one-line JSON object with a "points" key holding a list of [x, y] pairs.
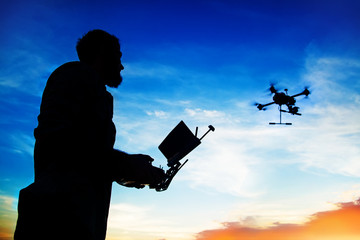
{"points": [[272, 89], [260, 106], [306, 92], [273, 82]]}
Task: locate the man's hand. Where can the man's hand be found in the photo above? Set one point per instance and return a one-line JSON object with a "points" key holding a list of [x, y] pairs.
{"points": [[137, 171], [144, 172]]}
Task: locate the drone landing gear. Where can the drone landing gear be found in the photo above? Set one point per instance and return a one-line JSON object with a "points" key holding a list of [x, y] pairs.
{"points": [[280, 123]]}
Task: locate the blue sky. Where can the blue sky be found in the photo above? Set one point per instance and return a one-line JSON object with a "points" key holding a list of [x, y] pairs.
{"points": [[204, 62]]}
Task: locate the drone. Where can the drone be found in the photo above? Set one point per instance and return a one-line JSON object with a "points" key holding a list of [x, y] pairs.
{"points": [[282, 98]]}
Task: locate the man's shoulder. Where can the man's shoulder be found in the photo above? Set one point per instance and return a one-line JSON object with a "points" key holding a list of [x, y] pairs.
{"points": [[74, 68], [75, 74]]}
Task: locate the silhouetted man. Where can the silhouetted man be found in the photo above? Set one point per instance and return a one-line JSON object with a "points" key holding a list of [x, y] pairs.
{"points": [[75, 163]]}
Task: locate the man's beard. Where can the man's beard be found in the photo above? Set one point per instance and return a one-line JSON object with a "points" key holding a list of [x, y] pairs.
{"points": [[113, 79]]}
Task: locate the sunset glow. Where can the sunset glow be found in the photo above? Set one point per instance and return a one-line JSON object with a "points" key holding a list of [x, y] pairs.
{"points": [[340, 224]]}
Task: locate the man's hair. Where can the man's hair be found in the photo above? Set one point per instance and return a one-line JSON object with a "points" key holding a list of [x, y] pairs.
{"points": [[94, 43]]}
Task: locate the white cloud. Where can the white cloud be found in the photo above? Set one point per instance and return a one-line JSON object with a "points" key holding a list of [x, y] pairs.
{"points": [[326, 138], [350, 194], [26, 71], [233, 160], [223, 162], [22, 143], [157, 113], [127, 216], [129, 221], [333, 134], [203, 114], [150, 70], [290, 211]]}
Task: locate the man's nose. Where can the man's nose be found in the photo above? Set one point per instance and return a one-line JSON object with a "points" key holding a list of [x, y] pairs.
{"points": [[121, 67]]}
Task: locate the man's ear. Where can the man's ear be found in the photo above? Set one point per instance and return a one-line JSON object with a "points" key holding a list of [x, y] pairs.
{"points": [[99, 65]]}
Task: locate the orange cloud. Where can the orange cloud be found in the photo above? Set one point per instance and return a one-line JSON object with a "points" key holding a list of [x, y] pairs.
{"points": [[340, 224]]}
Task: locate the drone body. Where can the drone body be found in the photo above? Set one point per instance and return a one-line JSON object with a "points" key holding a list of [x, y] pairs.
{"points": [[282, 98]]}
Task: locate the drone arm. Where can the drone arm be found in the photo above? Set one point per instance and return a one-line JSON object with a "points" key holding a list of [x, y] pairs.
{"points": [[268, 104], [261, 106], [306, 92], [296, 95]]}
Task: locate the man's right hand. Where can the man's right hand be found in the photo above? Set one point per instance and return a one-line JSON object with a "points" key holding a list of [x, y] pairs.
{"points": [[135, 170], [144, 172]]}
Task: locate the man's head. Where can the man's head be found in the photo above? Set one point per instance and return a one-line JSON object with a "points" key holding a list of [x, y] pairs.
{"points": [[101, 51]]}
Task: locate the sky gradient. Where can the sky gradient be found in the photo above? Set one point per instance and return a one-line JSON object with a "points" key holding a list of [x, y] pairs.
{"points": [[205, 62]]}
